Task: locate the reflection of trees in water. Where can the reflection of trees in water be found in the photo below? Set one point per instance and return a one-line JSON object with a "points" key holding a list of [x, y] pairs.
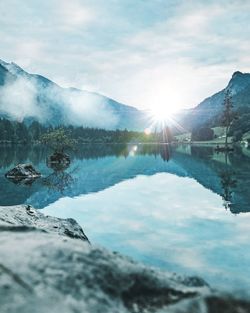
{"points": [[59, 181], [164, 150], [15, 154], [202, 151], [227, 166], [165, 153], [100, 150], [228, 183], [224, 174]]}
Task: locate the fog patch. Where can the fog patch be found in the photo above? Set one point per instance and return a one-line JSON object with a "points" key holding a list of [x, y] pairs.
{"points": [[18, 99], [88, 109], [29, 98]]}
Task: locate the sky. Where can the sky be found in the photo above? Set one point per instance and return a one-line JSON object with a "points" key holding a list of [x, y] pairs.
{"points": [[144, 53]]}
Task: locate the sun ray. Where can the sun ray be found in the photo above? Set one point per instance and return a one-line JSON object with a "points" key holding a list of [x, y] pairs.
{"points": [[159, 119]]}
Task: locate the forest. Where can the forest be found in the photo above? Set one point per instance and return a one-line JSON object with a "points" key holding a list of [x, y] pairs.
{"points": [[19, 132]]}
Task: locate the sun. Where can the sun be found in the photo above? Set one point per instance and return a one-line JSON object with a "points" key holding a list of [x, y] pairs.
{"points": [[162, 114], [160, 117]]}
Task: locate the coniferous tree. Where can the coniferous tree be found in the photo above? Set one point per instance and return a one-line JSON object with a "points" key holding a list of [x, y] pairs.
{"points": [[228, 115]]}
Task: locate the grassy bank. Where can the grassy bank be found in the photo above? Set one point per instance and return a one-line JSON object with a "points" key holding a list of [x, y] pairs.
{"points": [[219, 139]]}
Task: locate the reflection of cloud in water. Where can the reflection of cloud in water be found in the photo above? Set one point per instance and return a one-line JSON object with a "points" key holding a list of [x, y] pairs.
{"points": [[167, 221], [190, 258]]}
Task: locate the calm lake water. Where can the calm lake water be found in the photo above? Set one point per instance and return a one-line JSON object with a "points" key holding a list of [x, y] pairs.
{"points": [[183, 209]]}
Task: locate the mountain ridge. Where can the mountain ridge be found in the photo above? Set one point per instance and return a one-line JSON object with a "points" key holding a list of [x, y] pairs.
{"points": [[208, 112], [49, 103], [57, 105]]}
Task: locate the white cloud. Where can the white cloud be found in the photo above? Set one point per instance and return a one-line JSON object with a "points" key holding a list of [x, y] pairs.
{"points": [[178, 62], [89, 110], [179, 57], [74, 14], [18, 99]]}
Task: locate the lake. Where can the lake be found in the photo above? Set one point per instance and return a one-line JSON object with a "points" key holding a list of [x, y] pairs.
{"points": [[183, 209]]}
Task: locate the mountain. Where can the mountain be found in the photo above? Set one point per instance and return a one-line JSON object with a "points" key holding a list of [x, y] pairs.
{"points": [[208, 112], [28, 97]]}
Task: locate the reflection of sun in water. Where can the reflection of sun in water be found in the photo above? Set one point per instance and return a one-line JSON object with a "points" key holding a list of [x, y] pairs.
{"points": [[133, 150]]}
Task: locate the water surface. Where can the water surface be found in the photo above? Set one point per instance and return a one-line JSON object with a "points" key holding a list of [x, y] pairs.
{"points": [[183, 209]]}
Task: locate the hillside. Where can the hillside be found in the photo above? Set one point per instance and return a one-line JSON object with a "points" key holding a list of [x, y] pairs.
{"points": [[28, 97], [208, 112]]}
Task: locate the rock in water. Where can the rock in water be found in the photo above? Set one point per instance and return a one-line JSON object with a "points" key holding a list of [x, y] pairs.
{"points": [[44, 268], [58, 161], [22, 171], [59, 157]]}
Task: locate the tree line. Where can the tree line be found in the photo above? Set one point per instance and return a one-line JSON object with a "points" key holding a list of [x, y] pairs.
{"points": [[19, 132]]}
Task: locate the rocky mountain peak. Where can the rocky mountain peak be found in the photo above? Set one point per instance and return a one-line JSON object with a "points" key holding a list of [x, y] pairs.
{"points": [[239, 77], [237, 74], [239, 82], [12, 67]]}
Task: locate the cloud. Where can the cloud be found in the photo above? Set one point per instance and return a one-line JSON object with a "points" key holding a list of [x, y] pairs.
{"points": [[89, 110], [74, 14], [182, 60], [19, 100], [174, 52]]}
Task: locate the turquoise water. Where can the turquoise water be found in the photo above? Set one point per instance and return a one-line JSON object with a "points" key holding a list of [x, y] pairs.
{"points": [[183, 209]]}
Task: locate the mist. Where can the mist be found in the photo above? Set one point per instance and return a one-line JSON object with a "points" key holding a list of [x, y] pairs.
{"points": [[84, 108], [29, 97], [18, 100]]}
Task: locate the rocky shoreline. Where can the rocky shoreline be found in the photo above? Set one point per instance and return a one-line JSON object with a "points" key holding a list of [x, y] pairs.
{"points": [[48, 265]]}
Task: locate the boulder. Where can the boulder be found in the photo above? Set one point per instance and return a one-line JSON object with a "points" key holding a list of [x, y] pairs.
{"points": [[58, 161], [22, 171], [45, 269], [32, 219], [59, 157]]}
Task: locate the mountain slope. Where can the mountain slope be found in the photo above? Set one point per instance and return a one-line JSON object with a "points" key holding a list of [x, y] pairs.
{"points": [[28, 97], [208, 112]]}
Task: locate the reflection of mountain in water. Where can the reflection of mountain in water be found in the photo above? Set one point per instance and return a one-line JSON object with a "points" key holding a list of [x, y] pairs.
{"points": [[98, 167], [93, 168], [227, 176]]}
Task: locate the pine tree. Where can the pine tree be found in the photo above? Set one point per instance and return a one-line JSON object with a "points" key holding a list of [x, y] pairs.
{"points": [[228, 115]]}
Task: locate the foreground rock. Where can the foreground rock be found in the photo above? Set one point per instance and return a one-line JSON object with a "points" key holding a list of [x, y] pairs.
{"points": [[25, 218], [23, 172], [47, 269]]}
